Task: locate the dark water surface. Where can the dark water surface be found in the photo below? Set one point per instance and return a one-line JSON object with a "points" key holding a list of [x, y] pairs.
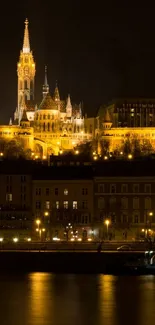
{"points": [[49, 299]]}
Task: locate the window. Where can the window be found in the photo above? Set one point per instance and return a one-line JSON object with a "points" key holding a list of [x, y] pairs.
{"points": [[124, 218], [65, 191], [148, 203], [113, 188], [136, 218], [38, 205], [65, 204], [57, 204], [23, 178], [47, 191], [101, 203], [101, 188], [84, 205], [135, 203], [47, 205], [136, 188], [9, 197], [124, 203], [56, 191], [38, 191], [74, 204], [147, 188], [84, 191], [124, 188]]}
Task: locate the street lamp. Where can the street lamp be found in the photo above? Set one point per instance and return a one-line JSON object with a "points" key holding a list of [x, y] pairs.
{"points": [[107, 222]]}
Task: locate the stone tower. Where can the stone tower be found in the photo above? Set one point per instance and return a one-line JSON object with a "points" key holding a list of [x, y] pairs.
{"points": [[26, 74]]}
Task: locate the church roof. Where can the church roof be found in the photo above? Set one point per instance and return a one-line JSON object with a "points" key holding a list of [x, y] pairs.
{"points": [[48, 103], [24, 117], [107, 118]]}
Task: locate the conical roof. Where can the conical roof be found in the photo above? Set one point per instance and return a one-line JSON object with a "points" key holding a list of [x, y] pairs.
{"points": [[24, 116], [47, 103], [56, 95], [107, 118]]}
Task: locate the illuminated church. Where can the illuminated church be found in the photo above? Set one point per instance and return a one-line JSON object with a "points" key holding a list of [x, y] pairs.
{"points": [[54, 125]]}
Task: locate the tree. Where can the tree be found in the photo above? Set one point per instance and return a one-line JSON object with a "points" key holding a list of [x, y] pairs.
{"points": [[127, 148], [105, 147], [147, 147]]}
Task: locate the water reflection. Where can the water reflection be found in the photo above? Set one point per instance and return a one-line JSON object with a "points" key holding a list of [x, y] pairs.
{"points": [[47, 299], [40, 308]]}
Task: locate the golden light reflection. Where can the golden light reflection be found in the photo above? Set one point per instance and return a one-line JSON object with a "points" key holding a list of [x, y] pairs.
{"points": [[41, 297], [107, 298]]}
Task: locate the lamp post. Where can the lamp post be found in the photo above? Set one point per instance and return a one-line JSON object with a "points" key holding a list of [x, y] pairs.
{"points": [[107, 222]]}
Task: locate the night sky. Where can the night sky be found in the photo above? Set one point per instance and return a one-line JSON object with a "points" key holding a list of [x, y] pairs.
{"points": [[97, 51]]}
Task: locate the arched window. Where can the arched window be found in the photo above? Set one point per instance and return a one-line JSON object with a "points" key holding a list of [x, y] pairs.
{"points": [[48, 116], [124, 203], [44, 117], [48, 126], [44, 127], [52, 126]]}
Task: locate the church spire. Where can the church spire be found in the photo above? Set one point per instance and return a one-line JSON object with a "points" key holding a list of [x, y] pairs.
{"points": [[69, 107], [56, 93], [45, 86], [26, 42]]}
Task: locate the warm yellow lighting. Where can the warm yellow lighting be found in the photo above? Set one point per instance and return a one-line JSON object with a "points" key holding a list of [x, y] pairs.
{"points": [[32, 154], [1, 239], [28, 239], [121, 153], [56, 239], [94, 153], [44, 157], [107, 222], [1, 154], [43, 229], [46, 213], [37, 229], [38, 222], [73, 142], [79, 239], [105, 157], [150, 214], [72, 239], [58, 142], [32, 64], [61, 151], [89, 239], [15, 239], [149, 230], [130, 156], [95, 157], [143, 230], [36, 157], [82, 132], [76, 152], [19, 64]]}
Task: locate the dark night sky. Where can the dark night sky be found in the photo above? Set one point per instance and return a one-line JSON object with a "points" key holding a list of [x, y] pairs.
{"points": [[96, 51]]}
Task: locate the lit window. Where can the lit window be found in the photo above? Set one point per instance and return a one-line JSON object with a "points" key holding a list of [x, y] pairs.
{"points": [[9, 197], [74, 204], [47, 205], [65, 191], [65, 204], [57, 204]]}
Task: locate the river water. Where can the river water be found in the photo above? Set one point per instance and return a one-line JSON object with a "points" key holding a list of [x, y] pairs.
{"points": [[68, 299]]}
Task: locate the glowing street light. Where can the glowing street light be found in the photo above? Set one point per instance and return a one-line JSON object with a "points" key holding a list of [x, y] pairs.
{"points": [[107, 222], [76, 152], [38, 222], [46, 213], [130, 156], [105, 157], [1, 239], [15, 239]]}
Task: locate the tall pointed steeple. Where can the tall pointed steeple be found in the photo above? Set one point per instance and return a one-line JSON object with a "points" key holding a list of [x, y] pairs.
{"points": [[69, 107], [56, 96], [26, 42], [45, 85]]}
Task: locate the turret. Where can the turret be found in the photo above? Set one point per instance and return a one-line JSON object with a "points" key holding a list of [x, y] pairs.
{"points": [[107, 123], [56, 95], [69, 107], [45, 85], [24, 120]]}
